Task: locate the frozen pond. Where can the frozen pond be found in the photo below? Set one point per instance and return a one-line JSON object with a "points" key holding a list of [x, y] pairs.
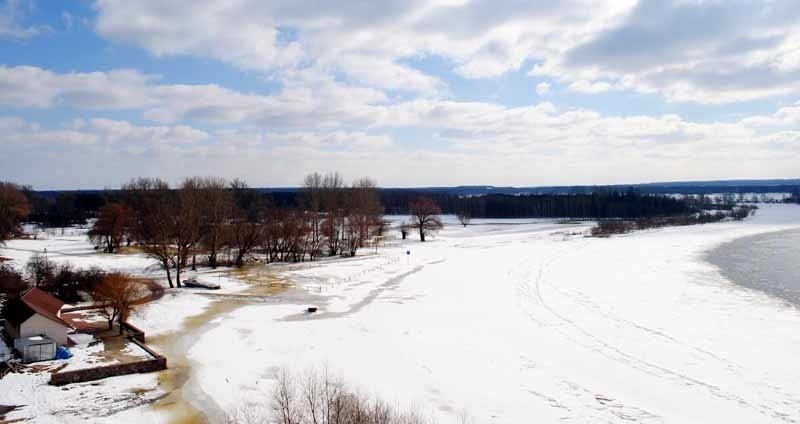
{"points": [[766, 262]]}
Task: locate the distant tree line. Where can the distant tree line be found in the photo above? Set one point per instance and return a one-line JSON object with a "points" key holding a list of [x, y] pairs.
{"points": [[608, 227], [626, 204]]}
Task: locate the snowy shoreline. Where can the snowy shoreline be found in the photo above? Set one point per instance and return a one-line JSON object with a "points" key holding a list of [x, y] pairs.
{"points": [[510, 324]]}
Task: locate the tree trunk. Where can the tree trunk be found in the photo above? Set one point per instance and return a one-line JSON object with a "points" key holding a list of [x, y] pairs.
{"points": [[169, 275], [421, 233], [178, 275]]}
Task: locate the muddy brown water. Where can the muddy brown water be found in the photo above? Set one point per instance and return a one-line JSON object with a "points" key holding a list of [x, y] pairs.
{"points": [[182, 398]]}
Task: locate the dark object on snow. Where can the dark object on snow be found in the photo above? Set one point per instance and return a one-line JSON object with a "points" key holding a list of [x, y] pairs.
{"points": [[312, 309], [194, 282]]}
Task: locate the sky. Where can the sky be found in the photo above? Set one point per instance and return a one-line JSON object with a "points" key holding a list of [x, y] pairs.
{"points": [[408, 92]]}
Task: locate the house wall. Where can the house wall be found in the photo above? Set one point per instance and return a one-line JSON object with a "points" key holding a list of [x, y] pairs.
{"points": [[37, 324]]}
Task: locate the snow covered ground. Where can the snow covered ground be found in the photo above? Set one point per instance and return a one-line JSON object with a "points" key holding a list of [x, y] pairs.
{"points": [[508, 322]]}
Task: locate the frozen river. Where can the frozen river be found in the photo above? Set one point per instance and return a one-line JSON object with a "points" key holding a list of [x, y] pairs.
{"points": [[766, 262]]}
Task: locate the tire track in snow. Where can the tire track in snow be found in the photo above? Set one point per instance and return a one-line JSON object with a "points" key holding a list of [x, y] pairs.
{"points": [[614, 353]]}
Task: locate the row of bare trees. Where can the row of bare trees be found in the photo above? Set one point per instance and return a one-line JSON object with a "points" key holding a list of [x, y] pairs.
{"points": [[210, 219]]}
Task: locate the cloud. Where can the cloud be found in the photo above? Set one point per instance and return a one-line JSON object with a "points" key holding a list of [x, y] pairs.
{"points": [[28, 86], [411, 143], [590, 87], [542, 88], [365, 41], [706, 52], [11, 13], [306, 98], [98, 132]]}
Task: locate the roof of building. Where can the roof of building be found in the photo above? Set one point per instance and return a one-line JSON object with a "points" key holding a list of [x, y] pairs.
{"points": [[32, 341], [36, 301]]}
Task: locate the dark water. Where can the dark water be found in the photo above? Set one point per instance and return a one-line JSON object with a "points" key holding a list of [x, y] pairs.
{"points": [[766, 262]]}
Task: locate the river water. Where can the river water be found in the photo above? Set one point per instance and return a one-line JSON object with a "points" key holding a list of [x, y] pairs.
{"points": [[767, 262]]}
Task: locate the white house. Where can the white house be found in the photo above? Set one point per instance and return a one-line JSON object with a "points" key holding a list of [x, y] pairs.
{"points": [[37, 313]]}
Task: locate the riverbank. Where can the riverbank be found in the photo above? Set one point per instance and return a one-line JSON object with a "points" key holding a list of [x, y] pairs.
{"points": [[510, 323], [529, 322]]}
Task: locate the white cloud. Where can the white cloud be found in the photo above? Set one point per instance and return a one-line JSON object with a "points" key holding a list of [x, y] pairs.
{"points": [[542, 88], [11, 13], [366, 41], [590, 87], [307, 97], [698, 51], [28, 86], [540, 143]]}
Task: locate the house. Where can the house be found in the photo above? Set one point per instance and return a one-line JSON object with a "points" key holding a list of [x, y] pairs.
{"points": [[37, 313]]}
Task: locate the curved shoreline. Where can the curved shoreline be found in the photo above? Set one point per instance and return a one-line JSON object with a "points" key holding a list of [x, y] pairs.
{"points": [[742, 262]]}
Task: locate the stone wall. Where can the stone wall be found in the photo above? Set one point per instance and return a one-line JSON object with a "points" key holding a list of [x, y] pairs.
{"points": [[97, 373], [134, 331], [157, 363]]}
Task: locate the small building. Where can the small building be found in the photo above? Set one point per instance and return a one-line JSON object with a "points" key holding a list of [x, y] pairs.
{"points": [[35, 348], [36, 313]]}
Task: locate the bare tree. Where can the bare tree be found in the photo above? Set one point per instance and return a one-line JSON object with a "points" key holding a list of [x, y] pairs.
{"points": [[109, 228], [243, 236], [319, 398], [425, 216], [115, 295], [39, 269], [216, 208], [362, 213], [312, 201], [464, 217], [154, 219], [246, 231], [332, 202], [186, 230], [14, 208], [405, 228], [284, 403]]}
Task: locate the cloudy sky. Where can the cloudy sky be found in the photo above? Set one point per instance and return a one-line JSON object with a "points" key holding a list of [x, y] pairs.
{"points": [[410, 92]]}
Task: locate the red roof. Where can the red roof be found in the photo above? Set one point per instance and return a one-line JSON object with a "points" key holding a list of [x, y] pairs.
{"points": [[44, 304]]}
